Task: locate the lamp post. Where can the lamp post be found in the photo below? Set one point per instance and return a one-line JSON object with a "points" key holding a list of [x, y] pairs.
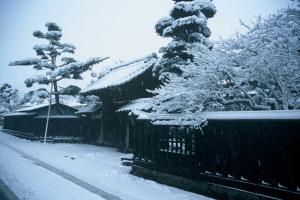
{"points": [[49, 110]]}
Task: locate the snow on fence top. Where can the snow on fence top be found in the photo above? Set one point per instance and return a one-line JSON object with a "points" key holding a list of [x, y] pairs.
{"points": [[122, 73], [179, 122], [255, 115], [171, 119], [199, 118]]}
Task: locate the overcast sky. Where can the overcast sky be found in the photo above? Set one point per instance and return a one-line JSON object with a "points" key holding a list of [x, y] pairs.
{"points": [[121, 29]]}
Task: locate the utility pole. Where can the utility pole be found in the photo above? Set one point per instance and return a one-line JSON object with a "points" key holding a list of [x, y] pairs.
{"points": [[49, 110]]}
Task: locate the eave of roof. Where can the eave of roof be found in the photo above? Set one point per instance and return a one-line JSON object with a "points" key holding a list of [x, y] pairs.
{"points": [[137, 104], [19, 114], [57, 117]]}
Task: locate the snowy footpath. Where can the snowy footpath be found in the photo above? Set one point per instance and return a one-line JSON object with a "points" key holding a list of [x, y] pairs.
{"points": [[37, 171]]}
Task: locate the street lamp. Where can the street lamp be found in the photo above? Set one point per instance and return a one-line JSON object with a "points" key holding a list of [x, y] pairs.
{"points": [[49, 110]]}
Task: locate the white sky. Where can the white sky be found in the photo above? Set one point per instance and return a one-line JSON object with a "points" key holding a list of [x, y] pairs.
{"points": [[121, 29]]}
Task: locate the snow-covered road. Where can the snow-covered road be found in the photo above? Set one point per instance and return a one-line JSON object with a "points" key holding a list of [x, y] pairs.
{"points": [[78, 172], [65, 175], [29, 181]]}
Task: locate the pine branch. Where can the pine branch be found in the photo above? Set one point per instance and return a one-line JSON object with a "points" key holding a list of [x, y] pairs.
{"points": [[74, 69], [28, 61]]}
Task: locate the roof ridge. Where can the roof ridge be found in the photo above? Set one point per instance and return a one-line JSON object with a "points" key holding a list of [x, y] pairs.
{"points": [[35, 107], [148, 57]]}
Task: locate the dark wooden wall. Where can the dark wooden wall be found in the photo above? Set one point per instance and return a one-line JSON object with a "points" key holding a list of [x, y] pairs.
{"points": [[260, 152], [57, 127]]}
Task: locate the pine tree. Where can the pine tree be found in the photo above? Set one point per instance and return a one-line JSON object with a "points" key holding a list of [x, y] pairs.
{"points": [[8, 98], [48, 59], [187, 25], [186, 66]]}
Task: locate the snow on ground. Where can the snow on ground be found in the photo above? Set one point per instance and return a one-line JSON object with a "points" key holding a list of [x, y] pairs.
{"points": [[29, 181], [98, 166]]}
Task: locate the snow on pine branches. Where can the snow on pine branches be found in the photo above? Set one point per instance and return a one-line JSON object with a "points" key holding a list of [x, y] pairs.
{"points": [[48, 59], [186, 24], [185, 67]]}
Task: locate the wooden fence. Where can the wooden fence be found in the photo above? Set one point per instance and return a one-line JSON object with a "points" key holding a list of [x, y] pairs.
{"points": [[254, 155]]}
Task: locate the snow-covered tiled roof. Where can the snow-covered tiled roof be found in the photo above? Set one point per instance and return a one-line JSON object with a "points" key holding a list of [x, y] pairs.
{"points": [[89, 108], [35, 107], [138, 104], [122, 73]]}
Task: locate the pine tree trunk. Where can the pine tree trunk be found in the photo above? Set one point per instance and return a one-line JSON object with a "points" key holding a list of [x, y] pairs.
{"points": [[56, 92]]}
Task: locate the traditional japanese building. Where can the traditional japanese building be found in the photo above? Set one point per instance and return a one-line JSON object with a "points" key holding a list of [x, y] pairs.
{"points": [[30, 123], [120, 85]]}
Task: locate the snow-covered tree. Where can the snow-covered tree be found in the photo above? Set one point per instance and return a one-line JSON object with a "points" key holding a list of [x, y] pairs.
{"points": [[8, 98], [187, 93], [258, 70], [35, 97], [50, 57], [261, 68], [187, 26], [90, 99], [70, 90]]}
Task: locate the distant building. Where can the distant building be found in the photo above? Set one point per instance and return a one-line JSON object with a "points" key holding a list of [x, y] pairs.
{"points": [[91, 116], [30, 122], [1, 119], [118, 87]]}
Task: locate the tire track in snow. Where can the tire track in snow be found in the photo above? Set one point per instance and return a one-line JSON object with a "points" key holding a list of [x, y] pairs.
{"points": [[65, 175]]}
